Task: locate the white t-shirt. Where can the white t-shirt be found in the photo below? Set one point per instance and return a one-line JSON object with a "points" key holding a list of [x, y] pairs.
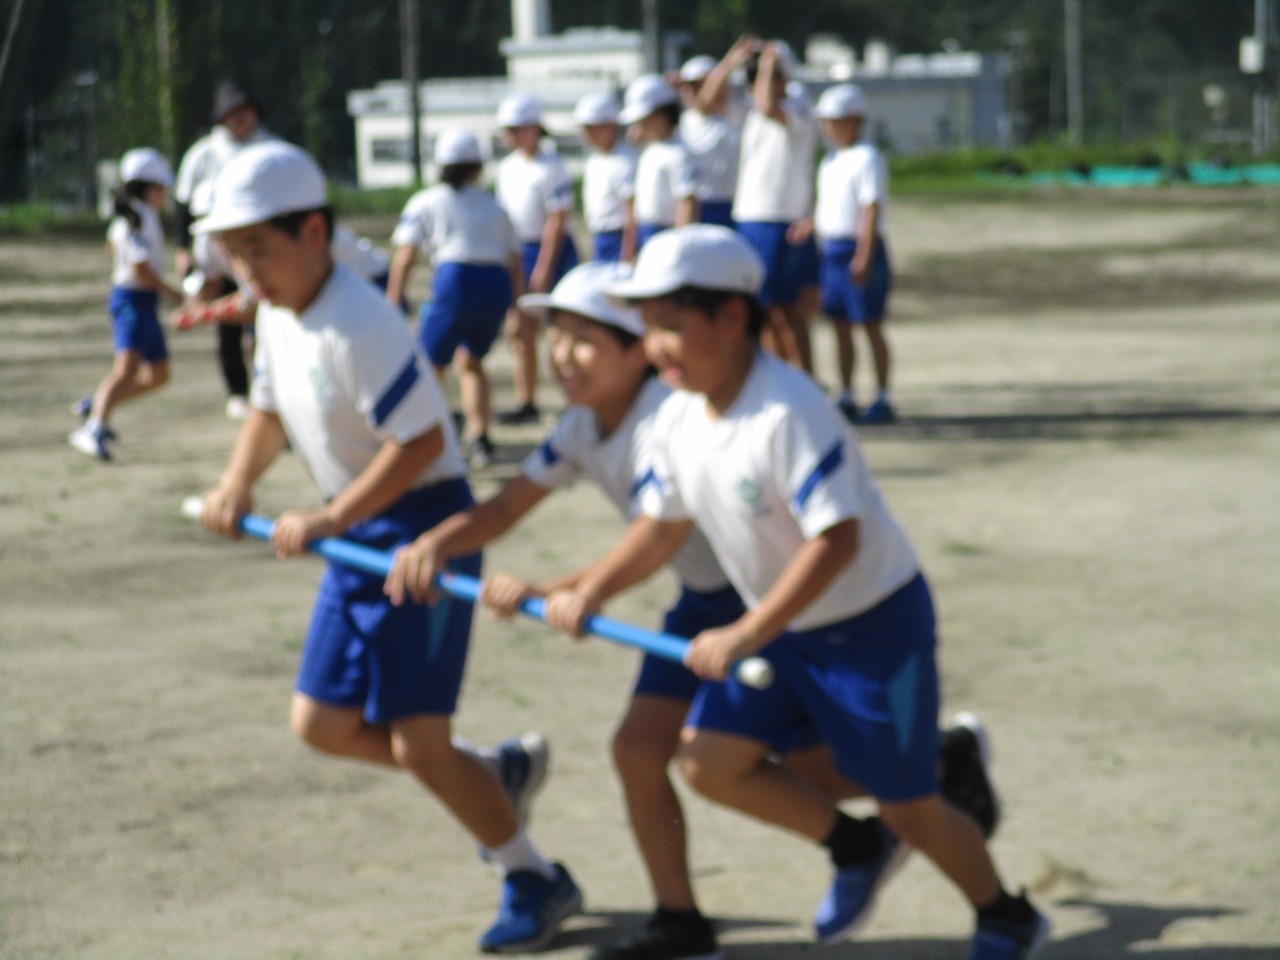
{"points": [[608, 182], [358, 253], [457, 226], [530, 188], [131, 247], [202, 163], [665, 175], [345, 376], [775, 172], [619, 466], [779, 468], [714, 141], [850, 180]]}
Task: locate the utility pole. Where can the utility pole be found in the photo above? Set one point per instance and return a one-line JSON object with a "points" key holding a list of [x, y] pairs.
{"points": [[409, 67], [164, 70], [1075, 80], [1262, 93], [652, 37]]}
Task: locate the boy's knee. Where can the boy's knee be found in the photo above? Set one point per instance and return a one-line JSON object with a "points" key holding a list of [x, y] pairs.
{"points": [[704, 771], [638, 754], [320, 729], [912, 818]]}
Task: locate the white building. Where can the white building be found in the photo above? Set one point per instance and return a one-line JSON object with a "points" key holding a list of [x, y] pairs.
{"points": [[917, 103]]}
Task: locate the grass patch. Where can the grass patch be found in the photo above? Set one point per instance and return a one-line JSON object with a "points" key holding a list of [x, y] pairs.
{"points": [[32, 219]]}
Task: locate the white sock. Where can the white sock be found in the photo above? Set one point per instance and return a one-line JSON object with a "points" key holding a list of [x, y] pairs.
{"points": [[485, 756], [519, 853], [94, 426]]}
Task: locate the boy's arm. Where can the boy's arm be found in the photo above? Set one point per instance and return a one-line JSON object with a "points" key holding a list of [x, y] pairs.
{"points": [[804, 579], [553, 232], [629, 230], [414, 569], [384, 481], [763, 94], [153, 281], [868, 239], [711, 97], [644, 549], [259, 442], [402, 262], [686, 211]]}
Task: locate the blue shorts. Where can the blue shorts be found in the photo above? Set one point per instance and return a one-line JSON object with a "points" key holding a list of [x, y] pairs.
{"points": [[869, 685], [693, 613], [647, 231], [842, 299], [468, 304], [393, 662], [788, 268], [529, 258], [719, 212], [607, 246], [136, 323]]}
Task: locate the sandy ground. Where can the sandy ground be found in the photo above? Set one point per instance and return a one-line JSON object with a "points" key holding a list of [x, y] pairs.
{"points": [[1087, 461]]}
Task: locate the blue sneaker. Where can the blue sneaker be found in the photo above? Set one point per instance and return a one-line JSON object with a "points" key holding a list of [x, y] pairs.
{"points": [[1005, 939], [532, 910], [881, 411], [523, 763], [82, 408], [853, 892], [848, 408], [92, 443]]}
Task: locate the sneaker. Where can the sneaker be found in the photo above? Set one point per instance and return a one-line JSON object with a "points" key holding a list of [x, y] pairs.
{"points": [[1011, 939], [82, 408], [481, 454], [881, 411], [237, 407], [532, 910], [853, 892], [848, 408], [523, 763], [89, 442], [664, 936], [525, 413], [964, 751]]}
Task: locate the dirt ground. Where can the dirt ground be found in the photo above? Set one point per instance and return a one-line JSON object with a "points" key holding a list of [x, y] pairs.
{"points": [[1087, 461]]}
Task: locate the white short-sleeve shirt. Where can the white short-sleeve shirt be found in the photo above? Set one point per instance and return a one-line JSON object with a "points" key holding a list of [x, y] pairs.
{"points": [[202, 163], [131, 247], [780, 467], [714, 141], [849, 181], [345, 376], [608, 182], [457, 226], [530, 188], [358, 253], [619, 465], [775, 171], [665, 175]]}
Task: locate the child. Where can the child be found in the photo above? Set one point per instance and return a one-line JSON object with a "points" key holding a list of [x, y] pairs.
{"points": [[849, 220], [135, 240], [666, 193], [338, 378], [774, 203], [608, 179], [751, 450], [713, 137], [598, 357], [477, 275], [535, 190]]}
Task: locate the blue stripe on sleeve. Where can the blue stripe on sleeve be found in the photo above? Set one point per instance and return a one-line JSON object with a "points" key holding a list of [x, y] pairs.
{"points": [[826, 466], [548, 453], [641, 482], [399, 388]]}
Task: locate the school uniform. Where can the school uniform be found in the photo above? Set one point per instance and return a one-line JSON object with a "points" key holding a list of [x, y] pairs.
{"points": [[530, 188], [850, 180], [775, 189], [135, 318], [471, 239], [665, 175], [344, 376], [714, 141], [608, 183], [778, 468]]}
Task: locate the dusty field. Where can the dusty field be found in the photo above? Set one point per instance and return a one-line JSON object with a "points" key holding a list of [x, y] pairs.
{"points": [[1088, 462]]}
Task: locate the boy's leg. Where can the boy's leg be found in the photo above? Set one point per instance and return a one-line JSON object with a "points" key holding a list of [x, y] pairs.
{"points": [[473, 387], [950, 839], [129, 379], [340, 731], [880, 357]]}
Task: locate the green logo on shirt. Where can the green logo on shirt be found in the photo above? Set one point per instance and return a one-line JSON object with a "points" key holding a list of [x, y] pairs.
{"points": [[749, 491]]}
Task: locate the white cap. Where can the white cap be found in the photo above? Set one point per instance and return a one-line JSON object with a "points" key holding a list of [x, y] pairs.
{"points": [[262, 181], [456, 146], [145, 164], [697, 68], [786, 58], [839, 102], [596, 108], [646, 94], [582, 291], [703, 255], [520, 110]]}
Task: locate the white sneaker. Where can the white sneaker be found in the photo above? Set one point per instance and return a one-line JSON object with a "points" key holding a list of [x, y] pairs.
{"points": [[88, 442], [237, 407]]}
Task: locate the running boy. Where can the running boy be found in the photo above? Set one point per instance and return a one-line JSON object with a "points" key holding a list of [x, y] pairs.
{"points": [[535, 190], [751, 450], [608, 179], [477, 275], [135, 241], [338, 378], [666, 192], [849, 220]]}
